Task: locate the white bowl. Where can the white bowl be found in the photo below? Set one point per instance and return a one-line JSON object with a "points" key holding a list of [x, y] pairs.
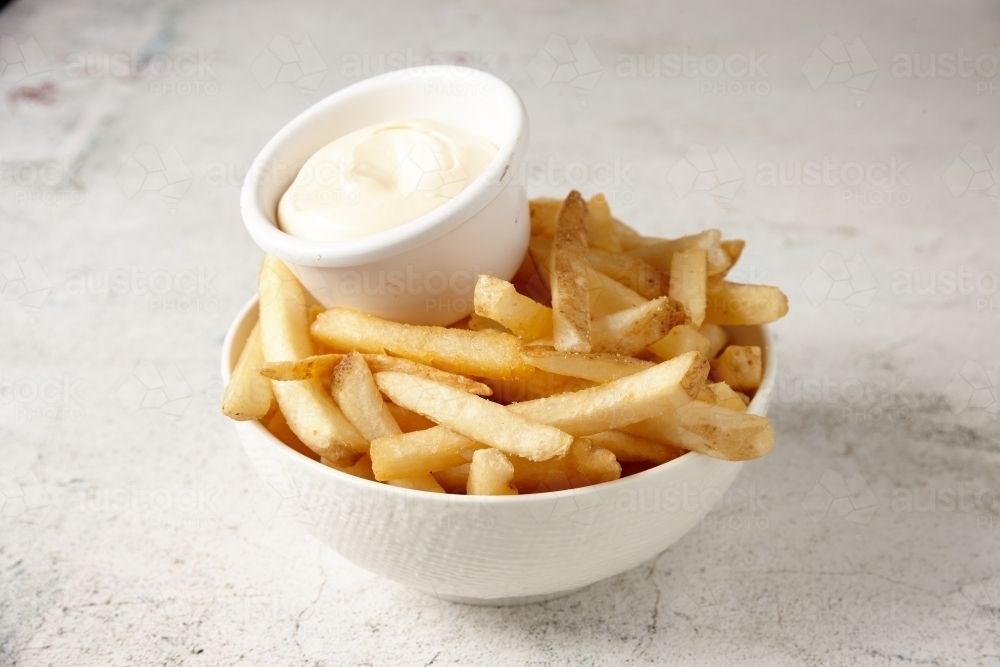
{"points": [[495, 550], [436, 257]]}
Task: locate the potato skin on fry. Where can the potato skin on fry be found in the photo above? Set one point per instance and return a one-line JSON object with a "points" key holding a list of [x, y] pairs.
{"points": [[568, 278]]}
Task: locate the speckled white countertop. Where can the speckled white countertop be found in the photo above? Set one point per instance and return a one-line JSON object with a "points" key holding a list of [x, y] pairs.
{"points": [[133, 530]]}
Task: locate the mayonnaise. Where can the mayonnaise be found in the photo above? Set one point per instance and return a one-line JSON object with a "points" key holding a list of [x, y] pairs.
{"points": [[381, 177]]}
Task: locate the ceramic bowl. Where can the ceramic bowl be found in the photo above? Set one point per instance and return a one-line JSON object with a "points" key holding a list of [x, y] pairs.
{"points": [[495, 550], [422, 272]]}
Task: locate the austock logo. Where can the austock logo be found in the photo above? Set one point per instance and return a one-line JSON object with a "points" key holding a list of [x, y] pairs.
{"points": [[24, 498], [837, 497], [19, 61], [23, 283], [283, 61], [560, 62], [975, 387], [715, 173], [834, 279], [974, 170], [148, 388], [149, 170], [835, 62]]}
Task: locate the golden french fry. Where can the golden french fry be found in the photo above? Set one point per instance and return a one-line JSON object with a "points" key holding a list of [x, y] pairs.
{"points": [[711, 430], [498, 300], [739, 366], [284, 333], [632, 272], [633, 449], [407, 419], [477, 322], [600, 229], [453, 480], [278, 427], [479, 353], [726, 397], [362, 468], [248, 395], [717, 339], [420, 452], [733, 303], [419, 483], [490, 474], [568, 278], [475, 417], [354, 389], [631, 330], [733, 248], [322, 366], [688, 277], [537, 384], [583, 465], [682, 338], [661, 388], [596, 367], [544, 215]]}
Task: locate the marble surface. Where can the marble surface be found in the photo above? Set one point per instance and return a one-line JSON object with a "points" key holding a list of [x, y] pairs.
{"points": [[133, 530]]}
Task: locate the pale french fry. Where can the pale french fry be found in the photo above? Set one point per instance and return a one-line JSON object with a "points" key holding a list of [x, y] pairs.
{"points": [[633, 449], [477, 322], [568, 278], [606, 294], [453, 480], [322, 366], [407, 419], [479, 353], [682, 338], [630, 331], [660, 254], [420, 452], [490, 474], [688, 277], [544, 215], [595, 367], [632, 272], [583, 465], [362, 468], [733, 248], [248, 395], [710, 429], [733, 303], [537, 384], [629, 237], [739, 366], [498, 300], [717, 339], [726, 397], [419, 483], [284, 333], [354, 389], [599, 226], [663, 387], [474, 417], [278, 427]]}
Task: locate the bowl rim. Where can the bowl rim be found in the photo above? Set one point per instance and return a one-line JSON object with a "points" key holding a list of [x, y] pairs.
{"points": [[766, 387], [433, 224]]}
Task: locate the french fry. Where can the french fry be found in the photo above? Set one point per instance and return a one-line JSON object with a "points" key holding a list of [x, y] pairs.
{"points": [[733, 248], [475, 417], [663, 387], [490, 474], [682, 338], [248, 395], [711, 430], [568, 278], [278, 427], [322, 366], [284, 333], [498, 300], [633, 449], [630, 331], [453, 480], [477, 322], [739, 366], [726, 397], [362, 468], [583, 465], [408, 420], [420, 452], [537, 384], [419, 483], [733, 303], [688, 277], [717, 339], [630, 238], [596, 367], [479, 353], [600, 229], [632, 272], [544, 215], [354, 389], [660, 254]]}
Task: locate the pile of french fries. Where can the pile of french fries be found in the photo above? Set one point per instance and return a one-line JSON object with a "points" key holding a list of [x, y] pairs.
{"points": [[604, 356]]}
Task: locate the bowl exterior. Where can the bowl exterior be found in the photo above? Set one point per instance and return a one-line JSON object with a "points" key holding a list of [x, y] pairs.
{"points": [[490, 550]]}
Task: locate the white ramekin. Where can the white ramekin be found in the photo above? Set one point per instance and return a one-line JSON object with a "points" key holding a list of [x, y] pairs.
{"points": [[424, 271], [495, 550]]}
